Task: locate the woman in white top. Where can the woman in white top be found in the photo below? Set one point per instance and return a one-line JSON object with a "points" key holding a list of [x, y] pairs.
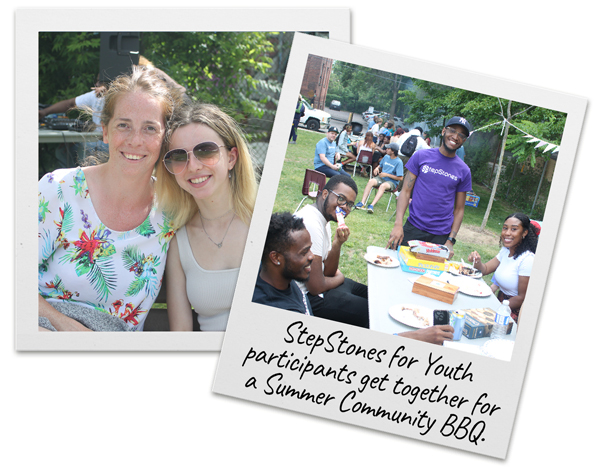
{"points": [[209, 185], [512, 265]]}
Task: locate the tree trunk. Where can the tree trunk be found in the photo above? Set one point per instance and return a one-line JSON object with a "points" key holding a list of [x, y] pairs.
{"points": [[499, 171], [537, 193], [395, 86]]}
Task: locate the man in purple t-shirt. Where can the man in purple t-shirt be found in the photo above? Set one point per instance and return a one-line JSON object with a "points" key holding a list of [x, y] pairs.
{"points": [[438, 181]]}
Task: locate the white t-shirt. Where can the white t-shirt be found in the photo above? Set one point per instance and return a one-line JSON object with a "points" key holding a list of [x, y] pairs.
{"points": [[89, 99], [508, 272], [320, 234]]}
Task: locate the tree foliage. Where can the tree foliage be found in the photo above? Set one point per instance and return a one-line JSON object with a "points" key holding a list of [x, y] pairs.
{"points": [[224, 68], [229, 69], [359, 87], [68, 64]]}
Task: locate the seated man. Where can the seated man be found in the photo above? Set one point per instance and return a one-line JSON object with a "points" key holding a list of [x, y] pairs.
{"points": [[386, 176], [326, 155], [287, 260], [331, 295], [380, 152]]}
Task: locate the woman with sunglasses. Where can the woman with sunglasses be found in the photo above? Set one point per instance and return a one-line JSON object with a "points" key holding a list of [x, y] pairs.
{"points": [[207, 182], [102, 237]]}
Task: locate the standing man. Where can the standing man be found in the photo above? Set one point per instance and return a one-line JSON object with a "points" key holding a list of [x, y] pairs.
{"points": [[298, 114], [387, 176], [326, 155], [331, 294], [286, 260], [438, 181]]}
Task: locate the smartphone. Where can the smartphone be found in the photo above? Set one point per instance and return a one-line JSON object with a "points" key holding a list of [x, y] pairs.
{"points": [[441, 317]]}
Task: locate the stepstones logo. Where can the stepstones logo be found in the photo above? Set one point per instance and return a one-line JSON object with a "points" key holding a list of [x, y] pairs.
{"points": [[438, 171]]}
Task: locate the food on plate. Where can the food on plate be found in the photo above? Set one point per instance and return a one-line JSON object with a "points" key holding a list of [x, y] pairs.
{"points": [[383, 260], [467, 270], [416, 313]]}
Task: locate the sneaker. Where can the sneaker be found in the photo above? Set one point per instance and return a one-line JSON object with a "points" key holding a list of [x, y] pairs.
{"points": [[293, 142], [370, 209], [359, 205]]}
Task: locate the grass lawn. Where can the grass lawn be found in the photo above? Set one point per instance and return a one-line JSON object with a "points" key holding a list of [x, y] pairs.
{"points": [[374, 229]]}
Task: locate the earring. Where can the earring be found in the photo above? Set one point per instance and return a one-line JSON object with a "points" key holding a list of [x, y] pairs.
{"points": [[229, 174]]}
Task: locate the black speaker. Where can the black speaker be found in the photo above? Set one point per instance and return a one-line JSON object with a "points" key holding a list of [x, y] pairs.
{"points": [[118, 52]]}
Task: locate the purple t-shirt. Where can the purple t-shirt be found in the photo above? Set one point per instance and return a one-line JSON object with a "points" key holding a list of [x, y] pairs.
{"points": [[439, 178]]}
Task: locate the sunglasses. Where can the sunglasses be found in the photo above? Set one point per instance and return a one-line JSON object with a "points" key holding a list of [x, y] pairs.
{"points": [[207, 152]]}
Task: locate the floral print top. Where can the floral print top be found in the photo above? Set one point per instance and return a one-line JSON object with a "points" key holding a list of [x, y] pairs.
{"points": [[81, 260]]}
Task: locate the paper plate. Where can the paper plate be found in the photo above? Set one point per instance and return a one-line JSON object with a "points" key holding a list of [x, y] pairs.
{"points": [[415, 316], [389, 260], [474, 288]]}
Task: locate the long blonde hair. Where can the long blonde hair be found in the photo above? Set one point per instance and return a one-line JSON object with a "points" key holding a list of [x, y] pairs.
{"points": [[242, 184]]}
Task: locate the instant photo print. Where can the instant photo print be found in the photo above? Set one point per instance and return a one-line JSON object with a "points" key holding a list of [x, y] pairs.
{"points": [[457, 395], [30, 25]]}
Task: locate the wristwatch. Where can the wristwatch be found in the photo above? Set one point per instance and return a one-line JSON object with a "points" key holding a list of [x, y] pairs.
{"points": [[452, 240]]}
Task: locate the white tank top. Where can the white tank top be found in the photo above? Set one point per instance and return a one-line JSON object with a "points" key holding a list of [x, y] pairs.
{"points": [[210, 292]]}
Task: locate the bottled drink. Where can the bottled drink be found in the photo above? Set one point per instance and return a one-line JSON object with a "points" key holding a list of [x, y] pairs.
{"points": [[501, 321]]}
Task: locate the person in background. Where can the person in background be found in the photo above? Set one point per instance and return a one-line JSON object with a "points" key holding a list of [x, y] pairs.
{"points": [[387, 176], [420, 145], [427, 138], [512, 265], [298, 114], [343, 145], [92, 102], [207, 183], [326, 155], [396, 137]]}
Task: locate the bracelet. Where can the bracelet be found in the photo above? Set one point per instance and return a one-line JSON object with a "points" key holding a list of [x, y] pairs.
{"points": [[452, 240]]}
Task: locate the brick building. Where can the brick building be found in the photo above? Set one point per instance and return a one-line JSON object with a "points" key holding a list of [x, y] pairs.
{"points": [[316, 80]]}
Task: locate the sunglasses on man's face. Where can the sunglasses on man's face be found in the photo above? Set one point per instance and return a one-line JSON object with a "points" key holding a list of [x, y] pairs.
{"points": [[207, 152]]}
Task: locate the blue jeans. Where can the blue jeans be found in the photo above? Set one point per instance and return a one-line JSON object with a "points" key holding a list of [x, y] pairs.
{"points": [[329, 172]]}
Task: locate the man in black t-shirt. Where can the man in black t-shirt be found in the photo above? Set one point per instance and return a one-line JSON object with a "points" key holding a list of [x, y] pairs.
{"points": [[286, 258]]}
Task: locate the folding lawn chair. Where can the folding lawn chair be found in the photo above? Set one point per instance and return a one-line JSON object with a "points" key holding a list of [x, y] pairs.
{"points": [[364, 159]]}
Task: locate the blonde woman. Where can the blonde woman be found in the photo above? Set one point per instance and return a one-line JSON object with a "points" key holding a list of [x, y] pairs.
{"points": [[207, 183], [102, 236]]}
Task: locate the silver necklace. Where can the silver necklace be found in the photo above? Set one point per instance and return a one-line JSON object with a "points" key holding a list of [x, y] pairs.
{"points": [[204, 229]]}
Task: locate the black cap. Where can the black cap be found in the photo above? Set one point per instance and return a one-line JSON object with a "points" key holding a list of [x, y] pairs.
{"points": [[333, 129], [460, 121]]}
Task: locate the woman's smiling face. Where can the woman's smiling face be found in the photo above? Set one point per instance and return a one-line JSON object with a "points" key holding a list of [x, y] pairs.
{"points": [[512, 233], [135, 132], [200, 180]]}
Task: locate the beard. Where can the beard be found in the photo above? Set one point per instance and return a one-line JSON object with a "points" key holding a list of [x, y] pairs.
{"points": [[446, 147], [287, 273]]}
